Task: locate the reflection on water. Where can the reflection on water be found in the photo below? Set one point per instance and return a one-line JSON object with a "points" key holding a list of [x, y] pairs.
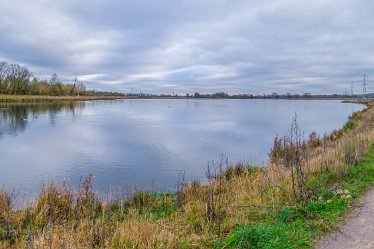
{"points": [[145, 143], [15, 118]]}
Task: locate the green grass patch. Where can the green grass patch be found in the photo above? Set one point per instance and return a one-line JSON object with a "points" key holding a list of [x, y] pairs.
{"points": [[301, 225], [151, 206]]}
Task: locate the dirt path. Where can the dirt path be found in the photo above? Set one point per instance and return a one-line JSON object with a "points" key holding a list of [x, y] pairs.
{"points": [[358, 231]]}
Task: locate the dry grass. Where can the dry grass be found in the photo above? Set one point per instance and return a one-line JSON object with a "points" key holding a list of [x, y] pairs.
{"points": [[197, 216], [39, 98]]}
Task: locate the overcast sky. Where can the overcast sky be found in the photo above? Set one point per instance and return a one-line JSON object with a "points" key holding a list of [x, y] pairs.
{"points": [[161, 46]]}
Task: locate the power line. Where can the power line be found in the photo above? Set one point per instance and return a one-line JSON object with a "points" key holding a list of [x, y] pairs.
{"points": [[364, 83], [352, 86]]}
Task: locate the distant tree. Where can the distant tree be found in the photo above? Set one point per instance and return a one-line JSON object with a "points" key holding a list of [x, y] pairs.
{"points": [[220, 95], [54, 79], [306, 94], [3, 68], [17, 79], [74, 85], [197, 95], [81, 88]]}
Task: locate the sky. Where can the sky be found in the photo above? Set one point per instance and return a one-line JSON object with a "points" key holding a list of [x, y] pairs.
{"points": [[184, 46]]}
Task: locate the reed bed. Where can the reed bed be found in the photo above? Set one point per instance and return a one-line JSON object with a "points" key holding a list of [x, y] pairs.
{"points": [[6, 98]]}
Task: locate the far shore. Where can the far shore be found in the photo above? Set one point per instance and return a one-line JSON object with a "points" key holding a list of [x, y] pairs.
{"points": [[7, 98], [4, 98]]}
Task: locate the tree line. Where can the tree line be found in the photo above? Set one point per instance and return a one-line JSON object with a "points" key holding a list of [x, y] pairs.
{"points": [[19, 80]]}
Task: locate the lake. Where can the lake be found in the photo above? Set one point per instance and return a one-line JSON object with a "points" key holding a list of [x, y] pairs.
{"points": [[146, 143]]}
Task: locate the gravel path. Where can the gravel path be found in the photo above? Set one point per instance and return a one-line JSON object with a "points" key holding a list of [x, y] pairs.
{"points": [[358, 231]]}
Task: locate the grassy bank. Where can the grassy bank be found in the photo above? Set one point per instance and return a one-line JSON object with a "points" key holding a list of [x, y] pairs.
{"points": [[300, 225], [302, 194], [5, 98]]}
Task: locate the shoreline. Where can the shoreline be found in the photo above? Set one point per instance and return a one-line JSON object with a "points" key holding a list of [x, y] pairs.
{"points": [[5, 98], [245, 203]]}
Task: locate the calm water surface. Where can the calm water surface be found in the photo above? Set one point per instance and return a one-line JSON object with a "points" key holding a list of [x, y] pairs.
{"points": [[145, 143]]}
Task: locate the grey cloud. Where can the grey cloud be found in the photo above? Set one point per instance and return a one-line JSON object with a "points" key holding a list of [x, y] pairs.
{"points": [[188, 45]]}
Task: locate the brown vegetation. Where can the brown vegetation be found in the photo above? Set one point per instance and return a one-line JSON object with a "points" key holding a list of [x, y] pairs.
{"points": [[39, 98]]}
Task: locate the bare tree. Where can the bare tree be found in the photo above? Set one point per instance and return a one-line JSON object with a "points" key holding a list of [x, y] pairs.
{"points": [[54, 79], [17, 79]]}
